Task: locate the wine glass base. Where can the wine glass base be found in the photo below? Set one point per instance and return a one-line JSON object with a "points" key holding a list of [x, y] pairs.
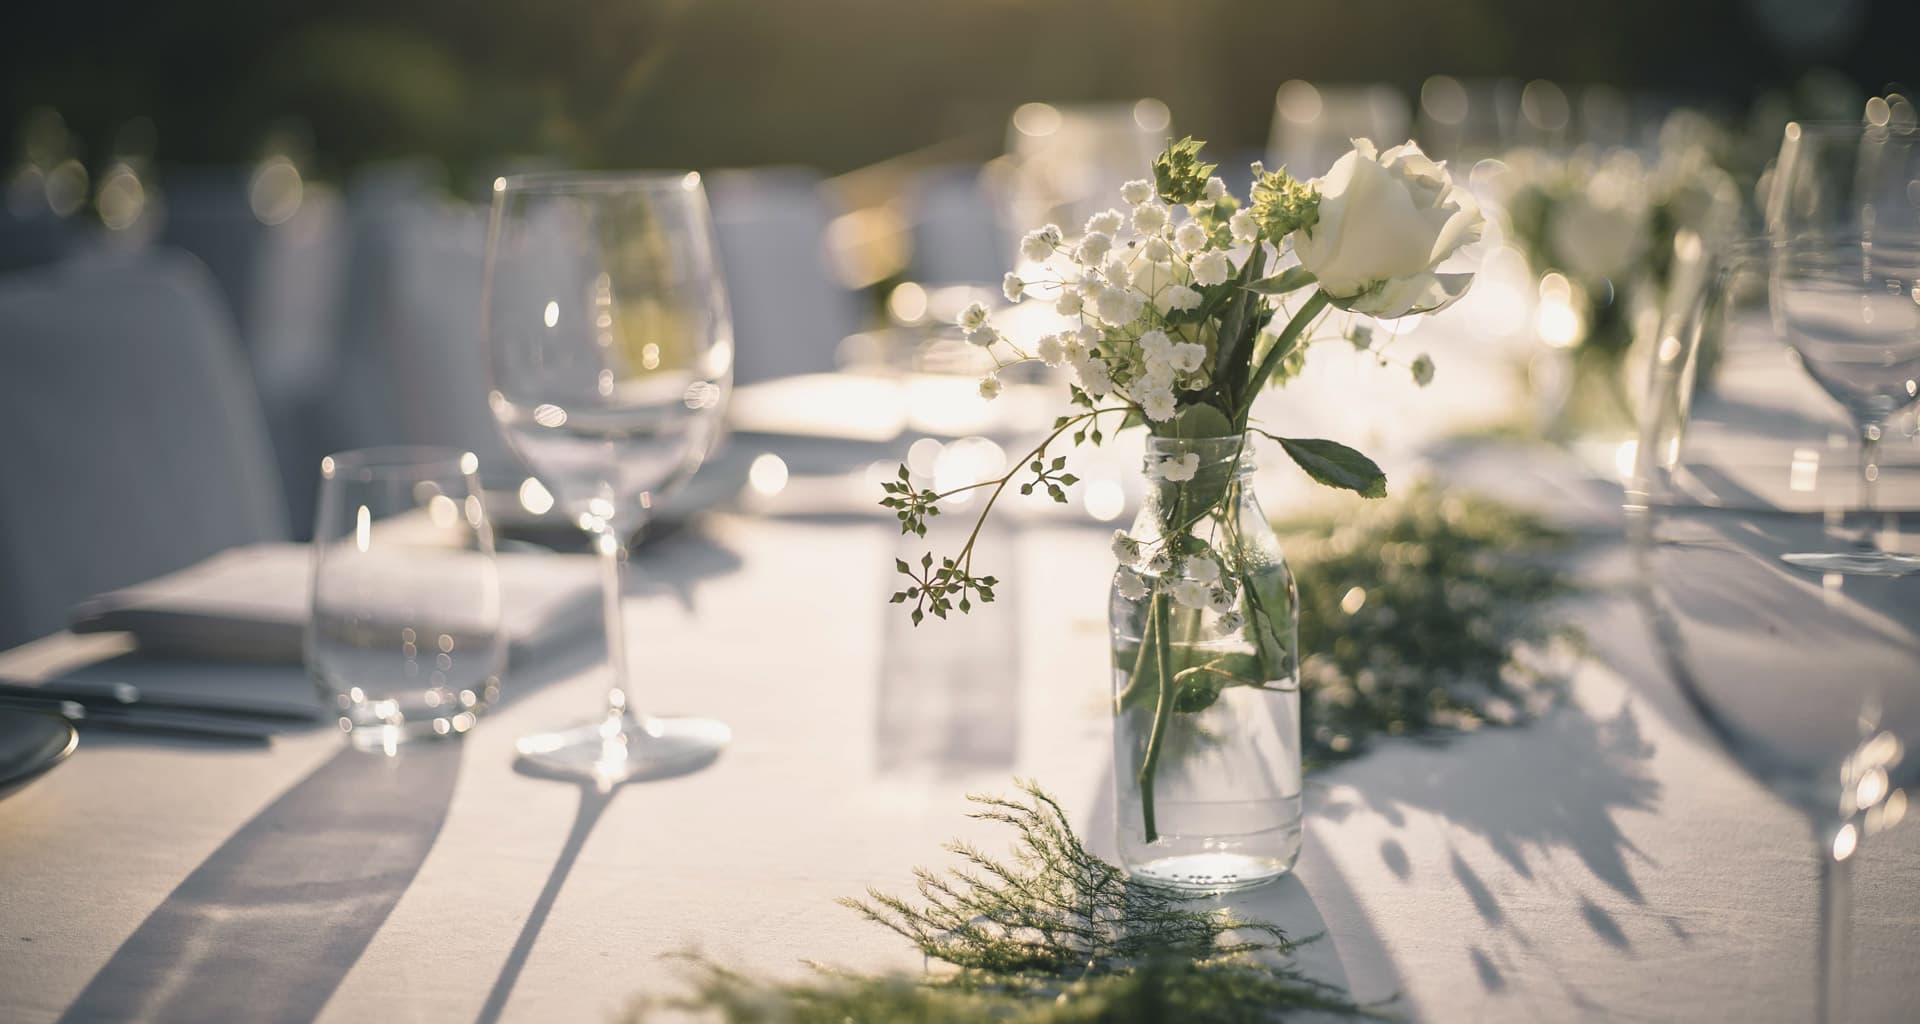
{"points": [[612, 750], [1855, 563]]}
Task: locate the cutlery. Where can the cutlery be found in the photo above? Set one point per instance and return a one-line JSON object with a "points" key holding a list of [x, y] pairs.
{"points": [[138, 719], [123, 696]]}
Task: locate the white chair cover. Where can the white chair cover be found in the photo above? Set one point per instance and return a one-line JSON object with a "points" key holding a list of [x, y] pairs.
{"points": [[134, 444], [956, 231], [789, 312]]}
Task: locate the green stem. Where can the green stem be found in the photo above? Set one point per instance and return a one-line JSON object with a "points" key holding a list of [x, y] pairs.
{"points": [[1162, 713], [1308, 312], [1139, 661]]}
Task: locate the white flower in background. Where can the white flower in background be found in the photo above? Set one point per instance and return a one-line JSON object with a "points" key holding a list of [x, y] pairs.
{"points": [[1190, 593], [1038, 245], [1150, 218], [1216, 189], [1245, 228], [1210, 268], [1160, 562], [1180, 297], [1094, 377], [1131, 586], [1220, 599], [1125, 548], [990, 387], [1106, 222], [1176, 468], [1187, 356], [1069, 303], [1077, 344], [1423, 369], [1230, 623], [1204, 570], [1137, 191], [1051, 350], [1114, 270], [1155, 344], [1013, 288], [982, 336], [1385, 221], [1094, 248], [973, 317], [1190, 236], [1156, 250], [1117, 306], [1159, 405], [1601, 230]]}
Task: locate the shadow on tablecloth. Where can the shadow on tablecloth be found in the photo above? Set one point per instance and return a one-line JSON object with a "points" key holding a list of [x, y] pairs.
{"points": [[268, 926]]}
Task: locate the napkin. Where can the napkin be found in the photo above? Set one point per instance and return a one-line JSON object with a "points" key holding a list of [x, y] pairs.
{"points": [[250, 604]]}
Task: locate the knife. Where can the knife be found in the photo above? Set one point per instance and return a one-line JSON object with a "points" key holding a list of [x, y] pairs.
{"points": [[144, 720], [123, 696]]}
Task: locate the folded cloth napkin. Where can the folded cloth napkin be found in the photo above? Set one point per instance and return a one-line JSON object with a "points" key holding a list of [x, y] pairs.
{"points": [[250, 604]]}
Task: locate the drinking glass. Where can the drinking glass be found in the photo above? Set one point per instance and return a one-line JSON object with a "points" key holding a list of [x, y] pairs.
{"points": [[404, 637], [1844, 219], [611, 351], [1811, 682]]}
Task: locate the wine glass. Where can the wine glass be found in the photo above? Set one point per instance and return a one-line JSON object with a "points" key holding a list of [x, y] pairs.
{"points": [[611, 351], [1843, 215], [1811, 683]]}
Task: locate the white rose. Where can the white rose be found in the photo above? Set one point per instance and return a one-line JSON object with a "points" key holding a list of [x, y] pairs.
{"points": [[1386, 220]]}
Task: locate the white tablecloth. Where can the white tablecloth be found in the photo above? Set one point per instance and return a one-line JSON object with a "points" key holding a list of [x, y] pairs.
{"points": [[1606, 861]]}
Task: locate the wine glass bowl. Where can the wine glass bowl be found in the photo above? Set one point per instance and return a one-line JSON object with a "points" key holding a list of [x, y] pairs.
{"points": [[611, 350], [1843, 216]]}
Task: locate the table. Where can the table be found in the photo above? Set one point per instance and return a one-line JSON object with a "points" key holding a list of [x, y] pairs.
{"points": [[1606, 861]]}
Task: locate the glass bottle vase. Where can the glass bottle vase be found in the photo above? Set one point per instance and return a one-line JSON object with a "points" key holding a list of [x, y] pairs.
{"points": [[1206, 728]]}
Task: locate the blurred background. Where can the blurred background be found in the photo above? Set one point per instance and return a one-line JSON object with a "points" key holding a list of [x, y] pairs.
{"points": [[238, 236]]}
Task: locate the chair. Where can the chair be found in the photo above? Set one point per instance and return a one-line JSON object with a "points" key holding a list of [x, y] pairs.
{"points": [[956, 230], [134, 444], [789, 312]]}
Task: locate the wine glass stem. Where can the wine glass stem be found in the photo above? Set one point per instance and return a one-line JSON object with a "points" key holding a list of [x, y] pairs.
{"points": [[1836, 909], [613, 557], [1869, 478]]}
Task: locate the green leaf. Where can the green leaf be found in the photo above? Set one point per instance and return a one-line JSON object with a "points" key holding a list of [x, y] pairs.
{"points": [[1291, 279], [1236, 342], [1202, 420], [1336, 465]]}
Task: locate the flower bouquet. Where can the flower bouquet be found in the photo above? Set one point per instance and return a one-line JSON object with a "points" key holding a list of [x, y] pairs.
{"points": [[1182, 306]]}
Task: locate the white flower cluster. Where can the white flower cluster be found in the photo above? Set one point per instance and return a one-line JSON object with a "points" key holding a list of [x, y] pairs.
{"points": [[1129, 280], [1201, 587]]}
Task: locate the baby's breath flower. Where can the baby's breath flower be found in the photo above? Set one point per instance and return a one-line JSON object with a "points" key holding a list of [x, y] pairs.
{"points": [[1160, 562], [1180, 297], [1190, 236], [1361, 335], [1176, 468], [1216, 188], [1013, 288], [1150, 218], [1117, 306], [1220, 599], [1244, 226], [1187, 356], [1069, 303], [1155, 344], [1094, 377], [1230, 622], [973, 317], [990, 386], [1094, 248], [1157, 374], [1052, 350], [1190, 593], [1203, 569], [982, 336], [1159, 405], [1039, 244], [1130, 585], [1125, 548], [1156, 250], [1210, 268], [1137, 191], [1114, 270], [1106, 222], [1423, 369], [1076, 344]]}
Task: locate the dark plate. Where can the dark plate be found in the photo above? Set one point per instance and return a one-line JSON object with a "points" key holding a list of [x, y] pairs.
{"points": [[30, 743]]}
